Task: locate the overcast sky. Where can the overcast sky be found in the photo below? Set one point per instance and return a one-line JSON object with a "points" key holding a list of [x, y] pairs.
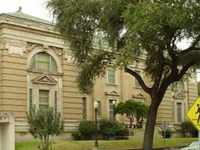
{"points": [[33, 7]]}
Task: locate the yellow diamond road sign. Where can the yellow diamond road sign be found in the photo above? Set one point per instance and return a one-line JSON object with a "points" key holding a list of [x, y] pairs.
{"points": [[194, 113]]}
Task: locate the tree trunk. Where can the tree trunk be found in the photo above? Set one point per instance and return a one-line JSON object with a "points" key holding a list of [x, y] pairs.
{"points": [[131, 122], [150, 126]]}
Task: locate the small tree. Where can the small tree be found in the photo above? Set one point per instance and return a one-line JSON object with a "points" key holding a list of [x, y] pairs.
{"points": [[141, 113], [133, 110], [43, 125]]}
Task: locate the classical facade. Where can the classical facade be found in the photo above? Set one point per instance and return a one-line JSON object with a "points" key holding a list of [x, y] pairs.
{"points": [[37, 68]]}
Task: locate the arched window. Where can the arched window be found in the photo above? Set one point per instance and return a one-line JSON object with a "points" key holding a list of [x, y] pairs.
{"points": [[43, 62]]}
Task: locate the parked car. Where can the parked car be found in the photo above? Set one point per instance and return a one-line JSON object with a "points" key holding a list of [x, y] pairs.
{"points": [[193, 146]]}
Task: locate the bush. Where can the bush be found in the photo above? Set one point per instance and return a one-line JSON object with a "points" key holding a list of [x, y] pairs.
{"points": [[188, 129], [122, 134], [107, 130], [87, 130], [44, 124], [166, 133], [113, 130], [76, 135]]}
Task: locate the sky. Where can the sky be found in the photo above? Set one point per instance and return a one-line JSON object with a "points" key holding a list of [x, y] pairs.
{"points": [[35, 8]]}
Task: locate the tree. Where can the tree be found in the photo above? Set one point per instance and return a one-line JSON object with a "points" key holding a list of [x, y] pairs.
{"points": [[129, 109], [133, 110], [132, 29], [43, 124], [141, 113]]}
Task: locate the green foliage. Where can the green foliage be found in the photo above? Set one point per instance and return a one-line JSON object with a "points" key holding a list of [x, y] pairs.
{"points": [[166, 133], [107, 130], [43, 124], [76, 135], [112, 129], [133, 109], [131, 28], [188, 129], [87, 129]]}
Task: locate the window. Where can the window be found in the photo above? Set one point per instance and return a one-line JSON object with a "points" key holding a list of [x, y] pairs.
{"points": [[43, 99], [43, 62], [179, 112], [84, 108], [99, 110], [111, 109], [111, 76], [30, 98], [55, 101]]}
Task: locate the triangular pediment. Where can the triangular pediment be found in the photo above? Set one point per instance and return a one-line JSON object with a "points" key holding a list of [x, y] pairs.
{"points": [[179, 95], [44, 79], [112, 93], [138, 96]]}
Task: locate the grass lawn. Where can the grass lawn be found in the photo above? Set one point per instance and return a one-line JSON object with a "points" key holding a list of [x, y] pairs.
{"points": [[106, 145]]}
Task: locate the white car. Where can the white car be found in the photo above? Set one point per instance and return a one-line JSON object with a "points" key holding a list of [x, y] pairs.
{"points": [[193, 146]]}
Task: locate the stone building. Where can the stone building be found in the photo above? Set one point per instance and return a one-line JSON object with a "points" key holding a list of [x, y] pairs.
{"points": [[37, 68]]}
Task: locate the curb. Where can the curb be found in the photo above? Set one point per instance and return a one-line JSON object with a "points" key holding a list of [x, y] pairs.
{"points": [[160, 148]]}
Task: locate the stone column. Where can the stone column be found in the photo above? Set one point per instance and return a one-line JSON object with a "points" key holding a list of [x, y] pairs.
{"points": [[7, 131]]}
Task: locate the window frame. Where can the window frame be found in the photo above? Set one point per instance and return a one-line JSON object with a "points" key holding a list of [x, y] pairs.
{"points": [[35, 62], [114, 76], [110, 102], [84, 108], [182, 111], [48, 96]]}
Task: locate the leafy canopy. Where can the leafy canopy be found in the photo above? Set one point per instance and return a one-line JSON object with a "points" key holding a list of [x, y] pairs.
{"points": [[132, 108], [131, 28]]}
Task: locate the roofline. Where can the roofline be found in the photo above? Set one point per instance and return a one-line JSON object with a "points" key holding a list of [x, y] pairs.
{"points": [[51, 24]]}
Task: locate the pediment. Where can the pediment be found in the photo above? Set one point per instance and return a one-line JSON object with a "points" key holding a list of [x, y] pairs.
{"points": [[138, 96], [179, 95], [44, 79], [112, 93]]}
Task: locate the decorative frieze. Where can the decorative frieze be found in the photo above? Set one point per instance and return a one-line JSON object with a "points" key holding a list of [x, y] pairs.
{"points": [[33, 46], [15, 46], [4, 117]]}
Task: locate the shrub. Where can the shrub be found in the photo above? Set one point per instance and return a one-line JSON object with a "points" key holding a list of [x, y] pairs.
{"points": [[87, 129], [166, 133], [107, 130], [76, 135], [122, 134], [188, 129], [43, 124], [112, 129]]}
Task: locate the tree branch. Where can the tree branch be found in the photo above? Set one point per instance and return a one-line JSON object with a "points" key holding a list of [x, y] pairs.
{"points": [[139, 79], [183, 71], [191, 56], [173, 77]]}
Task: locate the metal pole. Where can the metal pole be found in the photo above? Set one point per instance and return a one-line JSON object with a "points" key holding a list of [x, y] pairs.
{"points": [[96, 130]]}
